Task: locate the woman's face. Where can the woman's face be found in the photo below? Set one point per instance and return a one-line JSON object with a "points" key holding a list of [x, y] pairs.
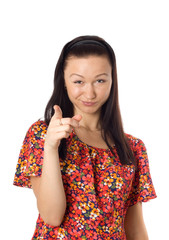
{"points": [[88, 81]]}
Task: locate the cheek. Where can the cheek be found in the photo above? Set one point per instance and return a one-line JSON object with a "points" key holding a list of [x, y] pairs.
{"points": [[105, 92], [73, 92]]}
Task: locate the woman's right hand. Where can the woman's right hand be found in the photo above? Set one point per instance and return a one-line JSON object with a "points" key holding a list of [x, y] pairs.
{"points": [[59, 128]]}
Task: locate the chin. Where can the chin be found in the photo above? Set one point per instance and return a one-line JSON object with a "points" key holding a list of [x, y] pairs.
{"points": [[90, 110]]}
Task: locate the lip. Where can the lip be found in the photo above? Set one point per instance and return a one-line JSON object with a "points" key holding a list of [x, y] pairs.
{"points": [[88, 103]]}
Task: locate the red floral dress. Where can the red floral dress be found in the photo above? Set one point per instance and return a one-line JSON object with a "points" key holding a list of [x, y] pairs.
{"points": [[99, 189]]}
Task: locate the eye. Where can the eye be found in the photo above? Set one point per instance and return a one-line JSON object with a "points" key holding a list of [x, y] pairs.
{"points": [[78, 82], [100, 81]]}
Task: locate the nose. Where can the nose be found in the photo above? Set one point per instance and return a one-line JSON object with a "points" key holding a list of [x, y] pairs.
{"points": [[90, 92]]}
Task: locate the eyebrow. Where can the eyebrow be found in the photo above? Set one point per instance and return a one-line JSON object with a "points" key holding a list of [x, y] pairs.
{"points": [[83, 76]]}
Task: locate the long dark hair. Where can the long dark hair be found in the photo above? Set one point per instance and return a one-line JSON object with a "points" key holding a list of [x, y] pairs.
{"points": [[110, 118]]}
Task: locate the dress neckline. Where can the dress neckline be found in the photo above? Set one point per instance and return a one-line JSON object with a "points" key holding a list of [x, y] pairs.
{"points": [[89, 146]]}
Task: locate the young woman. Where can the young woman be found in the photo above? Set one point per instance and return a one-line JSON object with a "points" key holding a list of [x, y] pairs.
{"points": [[89, 176]]}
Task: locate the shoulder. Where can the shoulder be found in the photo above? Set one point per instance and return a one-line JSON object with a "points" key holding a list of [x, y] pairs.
{"points": [[39, 124], [38, 129], [140, 152], [134, 141]]}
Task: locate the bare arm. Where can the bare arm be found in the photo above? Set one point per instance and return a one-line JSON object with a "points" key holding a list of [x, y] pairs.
{"points": [[134, 223], [48, 188]]}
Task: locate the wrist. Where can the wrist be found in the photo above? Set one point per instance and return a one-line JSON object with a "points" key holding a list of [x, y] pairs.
{"points": [[48, 148]]}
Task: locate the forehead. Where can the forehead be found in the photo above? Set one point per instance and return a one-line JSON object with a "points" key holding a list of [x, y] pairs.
{"points": [[89, 63]]}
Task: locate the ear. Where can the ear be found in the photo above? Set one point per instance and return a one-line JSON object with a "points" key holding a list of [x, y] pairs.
{"points": [[64, 84]]}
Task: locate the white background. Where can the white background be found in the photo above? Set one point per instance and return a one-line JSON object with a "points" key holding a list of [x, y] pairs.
{"points": [[32, 35]]}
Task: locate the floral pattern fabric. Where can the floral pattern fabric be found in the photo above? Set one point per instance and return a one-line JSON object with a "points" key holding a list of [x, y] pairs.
{"points": [[99, 189]]}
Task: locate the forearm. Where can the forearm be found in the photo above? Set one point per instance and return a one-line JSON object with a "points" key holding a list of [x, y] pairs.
{"points": [[51, 198]]}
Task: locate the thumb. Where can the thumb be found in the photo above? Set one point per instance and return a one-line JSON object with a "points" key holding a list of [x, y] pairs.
{"points": [[57, 112]]}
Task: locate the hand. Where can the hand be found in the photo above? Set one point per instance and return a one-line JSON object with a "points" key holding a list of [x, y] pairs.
{"points": [[59, 128]]}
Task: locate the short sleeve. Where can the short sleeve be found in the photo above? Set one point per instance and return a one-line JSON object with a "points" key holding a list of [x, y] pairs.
{"points": [[142, 188], [31, 155]]}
